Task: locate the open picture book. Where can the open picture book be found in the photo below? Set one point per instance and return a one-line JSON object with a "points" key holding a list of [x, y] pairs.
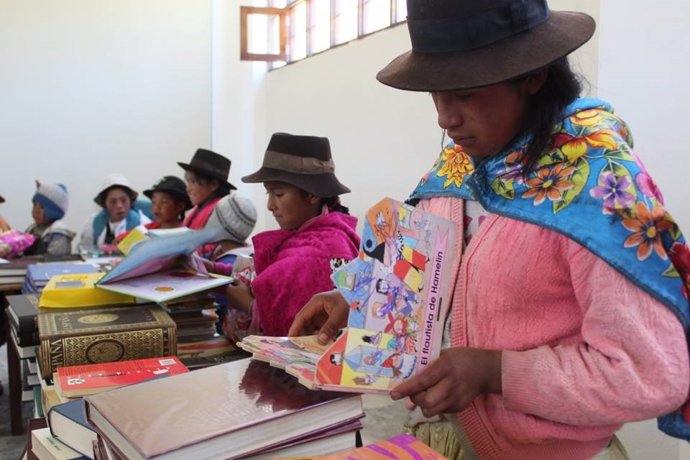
{"points": [[397, 290], [163, 268]]}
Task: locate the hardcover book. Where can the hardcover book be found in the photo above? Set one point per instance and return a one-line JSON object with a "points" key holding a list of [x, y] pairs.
{"points": [[67, 422], [23, 312], [99, 335], [87, 379], [224, 411], [45, 446], [40, 273], [161, 269], [397, 290]]}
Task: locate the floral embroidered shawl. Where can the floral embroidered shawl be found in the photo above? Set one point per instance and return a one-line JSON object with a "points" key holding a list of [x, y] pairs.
{"points": [[592, 188]]}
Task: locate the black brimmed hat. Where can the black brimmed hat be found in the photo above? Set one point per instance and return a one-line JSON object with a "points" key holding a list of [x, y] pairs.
{"points": [[210, 164], [461, 44], [172, 185], [302, 161]]}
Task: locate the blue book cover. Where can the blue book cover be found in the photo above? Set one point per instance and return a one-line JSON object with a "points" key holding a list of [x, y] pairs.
{"points": [[38, 275], [68, 424]]}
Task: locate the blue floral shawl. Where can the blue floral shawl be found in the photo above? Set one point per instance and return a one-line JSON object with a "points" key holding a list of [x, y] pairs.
{"points": [[591, 187]]}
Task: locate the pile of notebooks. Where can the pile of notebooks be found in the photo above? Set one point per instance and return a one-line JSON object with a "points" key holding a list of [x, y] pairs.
{"points": [[38, 275]]}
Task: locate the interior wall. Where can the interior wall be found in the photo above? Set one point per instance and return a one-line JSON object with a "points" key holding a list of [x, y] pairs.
{"points": [[383, 140], [90, 88]]}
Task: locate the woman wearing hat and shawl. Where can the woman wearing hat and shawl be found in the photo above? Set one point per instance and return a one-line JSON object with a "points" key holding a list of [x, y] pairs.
{"points": [[50, 202], [570, 300], [294, 262], [116, 216]]}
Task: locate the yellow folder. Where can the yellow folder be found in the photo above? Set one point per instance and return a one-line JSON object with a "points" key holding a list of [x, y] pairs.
{"points": [[79, 290]]}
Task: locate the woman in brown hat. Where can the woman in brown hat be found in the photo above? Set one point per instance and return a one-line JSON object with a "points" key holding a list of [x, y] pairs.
{"points": [[294, 262], [571, 300], [207, 182]]}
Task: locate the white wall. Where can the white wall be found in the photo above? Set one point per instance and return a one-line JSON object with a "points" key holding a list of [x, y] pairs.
{"points": [[93, 87]]}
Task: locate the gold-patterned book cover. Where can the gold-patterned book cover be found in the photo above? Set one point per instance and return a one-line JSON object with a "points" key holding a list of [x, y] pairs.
{"points": [[98, 335]]}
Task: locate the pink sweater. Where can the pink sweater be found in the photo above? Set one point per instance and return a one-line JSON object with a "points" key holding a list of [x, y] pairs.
{"points": [[584, 349]]}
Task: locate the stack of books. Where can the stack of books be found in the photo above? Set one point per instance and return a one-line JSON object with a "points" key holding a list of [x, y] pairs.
{"points": [[64, 406], [209, 352], [195, 316], [103, 334], [38, 275], [239, 409]]}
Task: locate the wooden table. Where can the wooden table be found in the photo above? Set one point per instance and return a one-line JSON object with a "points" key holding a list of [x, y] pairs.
{"points": [[14, 392]]}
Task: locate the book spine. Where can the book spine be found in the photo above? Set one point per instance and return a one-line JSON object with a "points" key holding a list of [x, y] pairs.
{"points": [[99, 348]]}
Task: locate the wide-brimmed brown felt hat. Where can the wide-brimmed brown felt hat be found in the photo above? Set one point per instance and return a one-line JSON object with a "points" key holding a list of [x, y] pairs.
{"points": [[302, 161], [210, 164], [461, 44]]}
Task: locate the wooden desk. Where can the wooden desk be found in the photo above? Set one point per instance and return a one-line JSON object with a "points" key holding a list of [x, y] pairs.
{"points": [[14, 392]]}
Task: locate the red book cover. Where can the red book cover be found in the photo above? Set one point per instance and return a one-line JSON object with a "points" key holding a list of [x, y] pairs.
{"points": [[76, 381]]}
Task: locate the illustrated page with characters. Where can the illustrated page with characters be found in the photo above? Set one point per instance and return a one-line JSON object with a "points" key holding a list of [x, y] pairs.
{"points": [[397, 290]]}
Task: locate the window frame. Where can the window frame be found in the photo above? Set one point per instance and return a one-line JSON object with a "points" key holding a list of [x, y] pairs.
{"points": [[245, 55]]}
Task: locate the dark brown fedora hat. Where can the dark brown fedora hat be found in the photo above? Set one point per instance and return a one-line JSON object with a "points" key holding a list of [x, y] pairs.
{"points": [[460, 44], [302, 161], [210, 164]]}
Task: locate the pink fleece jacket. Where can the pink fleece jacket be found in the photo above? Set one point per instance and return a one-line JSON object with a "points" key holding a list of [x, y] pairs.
{"points": [[584, 349], [293, 265]]}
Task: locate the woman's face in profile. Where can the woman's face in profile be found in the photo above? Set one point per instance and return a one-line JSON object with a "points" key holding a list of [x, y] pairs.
{"points": [[291, 207], [198, 188], [484, 120]]}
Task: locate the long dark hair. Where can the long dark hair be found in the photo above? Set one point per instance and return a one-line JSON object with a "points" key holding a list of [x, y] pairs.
{"points": [[334, 204], [545, 108]]}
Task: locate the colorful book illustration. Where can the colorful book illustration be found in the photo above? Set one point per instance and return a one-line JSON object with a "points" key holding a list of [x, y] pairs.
{"points": [[397, 289], [161, 269], [399, 447], [87, 379]]}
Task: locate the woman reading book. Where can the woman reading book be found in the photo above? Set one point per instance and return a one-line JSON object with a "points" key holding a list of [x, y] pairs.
{"points": [[570, 299], [294, 262]]}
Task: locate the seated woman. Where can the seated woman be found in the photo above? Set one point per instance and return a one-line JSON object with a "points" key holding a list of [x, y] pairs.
{"points": [[115, 217], [50, 203], [294, 262], [207, 182], [233, 219]]}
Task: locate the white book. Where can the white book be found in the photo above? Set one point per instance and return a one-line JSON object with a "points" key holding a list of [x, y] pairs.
{"points": [[46, 447]]}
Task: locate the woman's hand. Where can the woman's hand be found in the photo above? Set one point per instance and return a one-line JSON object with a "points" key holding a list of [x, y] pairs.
{"points": [[239, 296], [325, 313], [450, 383]]}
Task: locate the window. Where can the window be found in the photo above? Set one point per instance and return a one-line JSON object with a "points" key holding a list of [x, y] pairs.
{"points": [[313, 26], [262, 34]]}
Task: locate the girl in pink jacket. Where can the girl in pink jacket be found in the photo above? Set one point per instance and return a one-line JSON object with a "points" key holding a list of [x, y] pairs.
{"points": [[316, 232]]}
